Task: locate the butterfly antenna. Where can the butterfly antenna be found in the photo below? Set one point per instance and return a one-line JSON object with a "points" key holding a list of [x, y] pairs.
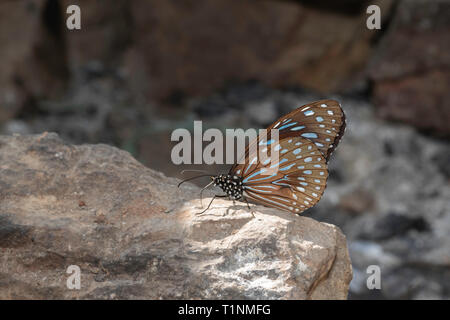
{"points": [[193, 170], [192, 178]]}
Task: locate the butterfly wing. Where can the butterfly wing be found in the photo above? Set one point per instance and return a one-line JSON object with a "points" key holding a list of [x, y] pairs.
{"points": [[248, 161], [295, 183], [322, 122]]}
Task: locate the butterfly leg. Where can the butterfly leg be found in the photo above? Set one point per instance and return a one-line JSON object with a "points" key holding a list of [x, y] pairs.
{"points": [[209, 205], [201, 192], [248, 206]]}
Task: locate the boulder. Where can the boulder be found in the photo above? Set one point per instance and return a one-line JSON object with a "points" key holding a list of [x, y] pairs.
{"points": [[410, 73], [166, 49], [195, 47], [33, 54], [135, 235]]}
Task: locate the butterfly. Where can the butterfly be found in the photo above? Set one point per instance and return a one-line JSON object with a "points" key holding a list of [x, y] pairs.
{"points": [[307, 136]]}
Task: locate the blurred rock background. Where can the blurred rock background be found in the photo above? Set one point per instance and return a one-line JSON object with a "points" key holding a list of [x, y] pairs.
{"points": [[139, 69]]}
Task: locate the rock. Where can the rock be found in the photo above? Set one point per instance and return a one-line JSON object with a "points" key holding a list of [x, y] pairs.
{"points": [[33, 54], [394, 225], [357, 202], [108, 27], [279, 42], [171, 49], [134, 234], [411, 78]]}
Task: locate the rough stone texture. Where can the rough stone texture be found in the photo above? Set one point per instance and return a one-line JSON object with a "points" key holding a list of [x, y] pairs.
{"points": [[134, 234], [411, 72]]}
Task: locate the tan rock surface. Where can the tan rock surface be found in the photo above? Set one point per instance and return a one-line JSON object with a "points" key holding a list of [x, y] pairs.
{"points": [[134, 234]]}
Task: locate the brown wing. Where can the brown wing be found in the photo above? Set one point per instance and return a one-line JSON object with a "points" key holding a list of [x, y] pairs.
{"points": [[322, 122], [294, 183]]}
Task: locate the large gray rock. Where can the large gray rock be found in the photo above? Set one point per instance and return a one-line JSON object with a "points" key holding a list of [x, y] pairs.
{"points": [[134, 234]]}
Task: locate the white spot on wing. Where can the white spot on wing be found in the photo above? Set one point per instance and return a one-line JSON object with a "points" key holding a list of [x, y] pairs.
{"points": [[309, 135]]}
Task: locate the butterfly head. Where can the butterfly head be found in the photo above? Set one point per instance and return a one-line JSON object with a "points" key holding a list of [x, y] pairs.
{"points": [[231, 185]]}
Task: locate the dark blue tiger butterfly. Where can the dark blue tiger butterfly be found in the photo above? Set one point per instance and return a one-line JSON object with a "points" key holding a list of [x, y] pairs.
{"points": [[307, 137]]}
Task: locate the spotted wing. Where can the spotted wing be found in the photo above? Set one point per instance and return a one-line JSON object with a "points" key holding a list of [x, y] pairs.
{"points": [[322, 122], [294, 183]]}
